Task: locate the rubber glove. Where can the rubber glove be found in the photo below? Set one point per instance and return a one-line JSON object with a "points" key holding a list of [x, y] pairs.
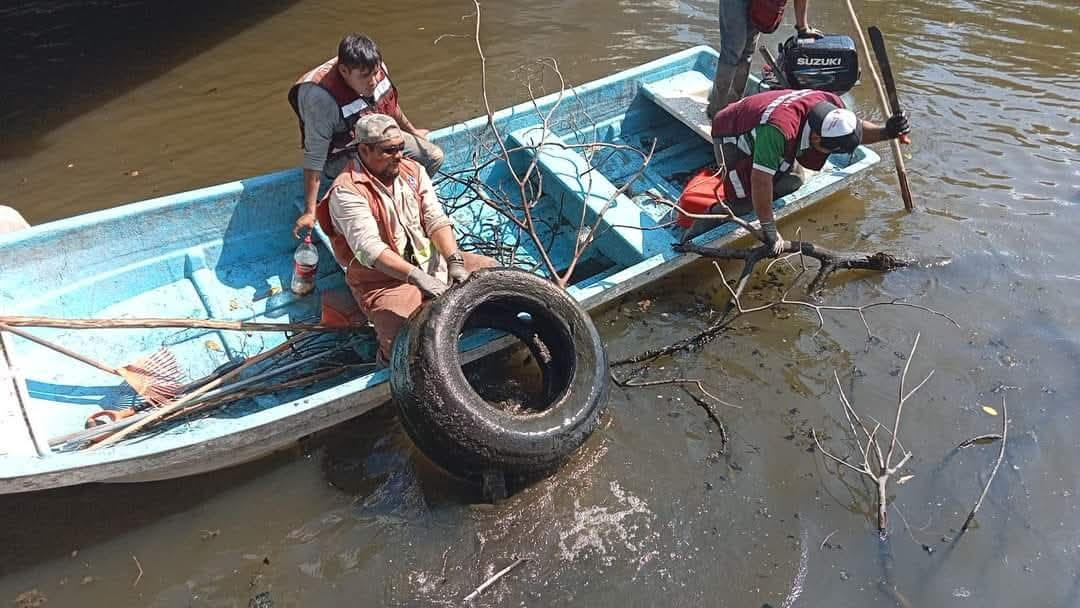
{"points": [[896, 126], [772, 237], [455, 267], [429, 286]]}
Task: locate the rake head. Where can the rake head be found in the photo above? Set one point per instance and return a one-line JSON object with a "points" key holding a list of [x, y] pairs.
{"points": [[157, 378]]}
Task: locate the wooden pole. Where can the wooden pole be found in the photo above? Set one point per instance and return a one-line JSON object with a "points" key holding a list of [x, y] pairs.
{"points": [[898, 156], [24, 321], [168, 408]]}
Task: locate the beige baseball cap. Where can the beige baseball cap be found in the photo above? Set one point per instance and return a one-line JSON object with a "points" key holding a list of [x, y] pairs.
{"points": [[373, 128]]}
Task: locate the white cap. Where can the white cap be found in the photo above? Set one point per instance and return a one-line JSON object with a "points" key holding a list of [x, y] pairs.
{"points": [[839, 128], [838, 123]]}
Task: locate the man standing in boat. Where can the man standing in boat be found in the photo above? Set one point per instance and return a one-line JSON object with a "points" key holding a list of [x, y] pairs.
{"points": [[740, 23], [758, 140], [329, 100], [389, 231]]}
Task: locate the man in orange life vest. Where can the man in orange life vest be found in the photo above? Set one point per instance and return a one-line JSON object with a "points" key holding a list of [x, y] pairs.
{"points": [[329, 99], [389, 231], [760, 138]]}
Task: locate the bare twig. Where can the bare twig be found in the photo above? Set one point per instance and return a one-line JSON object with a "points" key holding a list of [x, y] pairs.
{"points": [[445, 555], [752, 257], [139, 577], [993, 472], [705, 405], [521, 207], [491, 581], [695, 381], [980, 440], [876, 463], [826, 540]]}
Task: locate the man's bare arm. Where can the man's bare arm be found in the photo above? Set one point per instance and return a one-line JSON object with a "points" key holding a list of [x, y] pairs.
{"points": [[306, 221]]}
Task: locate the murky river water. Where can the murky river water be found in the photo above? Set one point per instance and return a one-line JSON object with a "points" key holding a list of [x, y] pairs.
{"points": [[109, 102]]}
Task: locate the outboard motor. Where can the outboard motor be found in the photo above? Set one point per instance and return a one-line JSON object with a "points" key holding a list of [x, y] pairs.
{"points": [[826, 64]]}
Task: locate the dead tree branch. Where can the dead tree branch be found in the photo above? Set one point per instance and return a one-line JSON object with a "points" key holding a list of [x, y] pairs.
{"points": [[877, 463], [993, 472], [521, 206], [703, 403], [752, 257]]}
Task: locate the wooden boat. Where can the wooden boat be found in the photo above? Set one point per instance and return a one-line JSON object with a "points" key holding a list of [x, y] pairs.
{"points": [[224, 252]]}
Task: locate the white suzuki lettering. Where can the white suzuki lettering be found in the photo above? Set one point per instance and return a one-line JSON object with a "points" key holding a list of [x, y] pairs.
{"points": [[822, 61]]}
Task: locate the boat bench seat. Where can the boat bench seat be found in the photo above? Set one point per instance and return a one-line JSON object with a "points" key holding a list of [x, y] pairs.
{"points": [[576, 184], [685, 96]]}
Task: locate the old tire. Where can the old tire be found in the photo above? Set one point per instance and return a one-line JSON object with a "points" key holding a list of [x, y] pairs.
{"points": [[452, 424]]}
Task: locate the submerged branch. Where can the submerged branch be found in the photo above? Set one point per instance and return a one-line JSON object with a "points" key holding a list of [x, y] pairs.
{"points": [[993, 472]]}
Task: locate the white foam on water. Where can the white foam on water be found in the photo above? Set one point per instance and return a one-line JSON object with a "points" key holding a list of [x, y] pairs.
{"points": [[607, 531]]}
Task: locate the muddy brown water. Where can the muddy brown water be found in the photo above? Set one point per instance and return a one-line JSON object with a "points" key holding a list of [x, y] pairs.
{"points": [[109, 102]]}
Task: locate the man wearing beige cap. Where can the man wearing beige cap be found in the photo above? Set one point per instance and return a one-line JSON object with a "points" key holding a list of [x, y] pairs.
{"points": [[389, 231]]}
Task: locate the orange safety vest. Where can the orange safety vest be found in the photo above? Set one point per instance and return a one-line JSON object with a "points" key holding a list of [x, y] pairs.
{"points": [[352, 106], [356, 179]]}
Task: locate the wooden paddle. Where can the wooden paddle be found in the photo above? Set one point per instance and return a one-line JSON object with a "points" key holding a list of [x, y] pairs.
{"points": [[878, 42], [898, 156]]}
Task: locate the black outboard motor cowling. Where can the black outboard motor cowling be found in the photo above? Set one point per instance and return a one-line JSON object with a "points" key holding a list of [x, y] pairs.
{"points": [[826, 64]]}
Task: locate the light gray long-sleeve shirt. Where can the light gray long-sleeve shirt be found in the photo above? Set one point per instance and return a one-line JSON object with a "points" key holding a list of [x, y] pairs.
{"points": [[322, 119]]}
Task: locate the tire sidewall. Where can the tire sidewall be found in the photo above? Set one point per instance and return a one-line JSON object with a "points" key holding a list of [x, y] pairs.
{"points": [[453, 424]]}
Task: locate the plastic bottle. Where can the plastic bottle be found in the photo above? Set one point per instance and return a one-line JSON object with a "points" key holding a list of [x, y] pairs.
{"points": [[305, 263]]}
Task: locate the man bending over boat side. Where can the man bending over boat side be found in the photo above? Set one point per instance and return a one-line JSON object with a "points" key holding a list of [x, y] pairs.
{"points": [[330, 98], [389, 231], [760, 138]]}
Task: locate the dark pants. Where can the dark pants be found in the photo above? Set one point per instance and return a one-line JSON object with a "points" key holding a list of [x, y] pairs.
{"points": [[737, 41]]}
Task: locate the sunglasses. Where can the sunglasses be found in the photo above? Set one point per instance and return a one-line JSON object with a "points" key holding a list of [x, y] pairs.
{"points": [[392, 150]]}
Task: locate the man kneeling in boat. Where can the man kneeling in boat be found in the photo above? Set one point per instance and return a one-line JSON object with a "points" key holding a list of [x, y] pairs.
{"points": [[760, 138], [389, 231], [330, 98]]}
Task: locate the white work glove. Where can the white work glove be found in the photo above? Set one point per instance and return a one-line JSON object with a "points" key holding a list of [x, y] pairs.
{"points": [[455, 268], [772, 237], [429, 286]]}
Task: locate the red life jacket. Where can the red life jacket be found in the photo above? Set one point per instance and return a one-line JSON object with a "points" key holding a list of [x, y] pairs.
{"points": [[784, 109], [356, 179], [352, 106]]}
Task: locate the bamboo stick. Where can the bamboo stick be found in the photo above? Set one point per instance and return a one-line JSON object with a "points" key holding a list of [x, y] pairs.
{"points": [[28, 321], [898, 156], [60, 349], [178, 403]]}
